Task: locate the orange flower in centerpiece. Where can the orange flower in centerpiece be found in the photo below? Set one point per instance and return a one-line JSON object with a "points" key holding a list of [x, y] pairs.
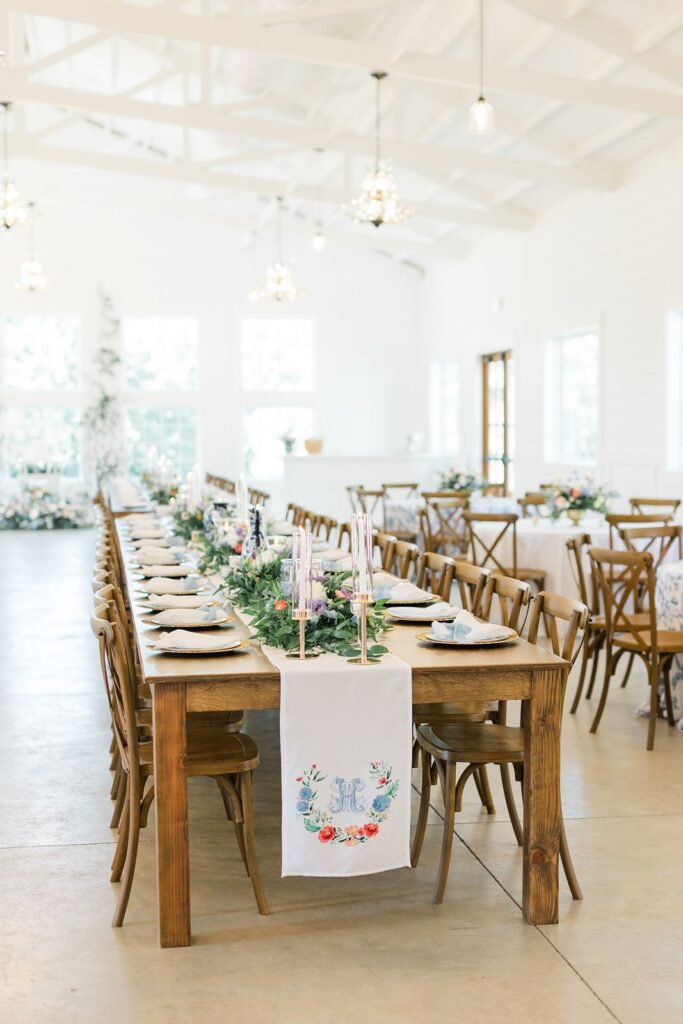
{"points": [[280, 606]]}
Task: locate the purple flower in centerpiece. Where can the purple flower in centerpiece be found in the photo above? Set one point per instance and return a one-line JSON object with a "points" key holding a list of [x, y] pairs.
{"points": [[319, 607], [319, 579], [344, 593]]}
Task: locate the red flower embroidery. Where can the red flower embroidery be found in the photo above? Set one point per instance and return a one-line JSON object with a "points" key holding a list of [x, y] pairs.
{"points": [[299, 778], [370, 830], [382, 781], [327, 833]]}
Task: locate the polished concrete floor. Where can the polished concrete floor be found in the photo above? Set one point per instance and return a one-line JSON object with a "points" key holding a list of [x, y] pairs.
{"points": [[333, 950]]}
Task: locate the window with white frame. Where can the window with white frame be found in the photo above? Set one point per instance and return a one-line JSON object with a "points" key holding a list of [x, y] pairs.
{"points": [[572, 383], [41, 395], [674, 397], [278, 373], [161, 379]]}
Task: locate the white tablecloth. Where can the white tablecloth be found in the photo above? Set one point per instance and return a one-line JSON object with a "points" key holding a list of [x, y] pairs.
{"points": [[669, 605], [542, 544]]}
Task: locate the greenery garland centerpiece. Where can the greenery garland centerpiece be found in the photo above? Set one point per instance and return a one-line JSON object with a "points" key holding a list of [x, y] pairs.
{"points": [[333, 626], [160, 492], [455, 480], [250, 582], [577, 496], [220, 542]]}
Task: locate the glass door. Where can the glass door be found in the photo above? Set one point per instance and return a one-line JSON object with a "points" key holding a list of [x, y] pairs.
{"points": [[498, 421]]}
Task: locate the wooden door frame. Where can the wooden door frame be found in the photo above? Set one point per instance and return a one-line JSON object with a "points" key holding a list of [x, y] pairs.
{"points": [[486, 359]]}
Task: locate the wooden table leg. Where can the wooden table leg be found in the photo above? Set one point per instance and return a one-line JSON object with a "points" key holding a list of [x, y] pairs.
{"points": [[542, 811], [170, 793]]}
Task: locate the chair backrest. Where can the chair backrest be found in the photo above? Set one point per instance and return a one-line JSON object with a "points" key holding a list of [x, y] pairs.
{"points": [[436, 573], [257, 497], [118, 683], [386, 542], [446, 524], [577, 547], [372, 502], [513, 598], [553, 607], [406, 555], [352, 491], [323, 526], [487, 553], [618, 520], [344, 537], [662, 542], [290, 514], [532, 503], [471, 582], [400, 491], [624, 578], [643, 506]]}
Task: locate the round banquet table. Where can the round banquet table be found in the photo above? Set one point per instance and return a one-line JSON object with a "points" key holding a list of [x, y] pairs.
{"points": [[542, 544], [669, 605]]}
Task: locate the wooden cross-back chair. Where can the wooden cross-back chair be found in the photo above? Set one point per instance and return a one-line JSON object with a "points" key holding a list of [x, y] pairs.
{"points": [[344, 537], [488, 553], [323, 526], [626, 581], [406, 556], [257, 497], [372, 502], [386, 542], [643, 506], [628, 520], [352, 491], [442, 525], [400, 491], [663, 542], [477, 744], [436, 573], [290, 514], [532, 503], [227, 757]]}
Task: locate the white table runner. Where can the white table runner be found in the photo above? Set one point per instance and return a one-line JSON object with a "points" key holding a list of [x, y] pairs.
{"points": [[345, 733]]}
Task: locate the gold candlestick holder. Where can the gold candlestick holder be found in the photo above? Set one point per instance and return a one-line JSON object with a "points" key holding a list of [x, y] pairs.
{"points": [[363, 600], [302, 616]]}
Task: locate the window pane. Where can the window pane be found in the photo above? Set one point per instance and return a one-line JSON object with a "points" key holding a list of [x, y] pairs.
{"points": [[572, 395], [173, 432], [278, 355], [51, 437], [160, 354], [42, 353], [262, 430]]}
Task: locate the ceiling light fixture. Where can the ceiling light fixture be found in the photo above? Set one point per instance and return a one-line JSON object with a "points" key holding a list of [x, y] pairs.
{"points": [[378, 202], [31, 274], [279, 281], [482, 116], [12, 209]]}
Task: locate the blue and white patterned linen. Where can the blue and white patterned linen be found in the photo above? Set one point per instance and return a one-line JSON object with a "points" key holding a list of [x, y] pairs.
{"points": [[669, 605]]}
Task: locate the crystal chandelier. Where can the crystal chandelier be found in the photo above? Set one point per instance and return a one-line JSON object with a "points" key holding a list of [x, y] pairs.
{"points": [[279, 281], [482, 116], [31, 274], [378, 202], [12, 210]]}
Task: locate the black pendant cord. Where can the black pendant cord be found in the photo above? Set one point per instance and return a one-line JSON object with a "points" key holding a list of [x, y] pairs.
{"points": [[378, 121], [481, 49], [5, 139]]}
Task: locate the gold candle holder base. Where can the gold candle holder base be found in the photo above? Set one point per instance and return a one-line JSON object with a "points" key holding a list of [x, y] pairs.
{"points": [[360, 661], [363, 600], [302, 654]]}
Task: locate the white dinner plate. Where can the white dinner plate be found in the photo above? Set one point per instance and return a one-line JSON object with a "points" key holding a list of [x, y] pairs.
{"points": [[404, 613], [430, 638], [150, 621], [229, 648]]}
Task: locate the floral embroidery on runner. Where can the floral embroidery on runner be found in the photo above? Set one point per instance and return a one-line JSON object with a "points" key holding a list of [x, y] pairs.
{"points": [[346, 797]]}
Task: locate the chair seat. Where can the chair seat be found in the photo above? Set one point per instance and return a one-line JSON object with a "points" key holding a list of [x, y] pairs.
{"points": [[469, 711], [669, 641], [222, 721], [211, 752], [473, 743], [641, 620]]}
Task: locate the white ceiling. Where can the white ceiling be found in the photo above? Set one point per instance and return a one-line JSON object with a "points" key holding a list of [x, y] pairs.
{"points": [[226, 101]]}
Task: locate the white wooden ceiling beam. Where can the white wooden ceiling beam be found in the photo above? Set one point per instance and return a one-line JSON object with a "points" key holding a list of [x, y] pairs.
{"points": [[429, 156], [237, 33], [192, 173], [303, 13]]}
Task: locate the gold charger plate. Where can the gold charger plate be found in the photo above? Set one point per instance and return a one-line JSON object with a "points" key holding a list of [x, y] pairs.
{"points": [[465, 643], [149, 620], [231, 648], [413, 621], [430, 599]]}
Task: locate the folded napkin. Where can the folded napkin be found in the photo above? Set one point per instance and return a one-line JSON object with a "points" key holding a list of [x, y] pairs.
{"points": [[160, 556], [167, 570], [467, 628], [183, 639], [440, 610], [401, 591], [189, 616], [162, 601], [329, 554], [157, 542], [147, 532], [162, 585], [280, 526]]}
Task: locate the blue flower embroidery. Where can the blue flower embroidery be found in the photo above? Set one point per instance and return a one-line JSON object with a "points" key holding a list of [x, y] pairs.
{"points": [[302, 806], [380, 803], [305, 793]]}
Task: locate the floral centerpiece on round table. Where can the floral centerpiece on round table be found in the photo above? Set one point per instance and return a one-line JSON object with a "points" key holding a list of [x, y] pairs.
{"points": [[576, 497], [455, 480], [38, 509], [333, 626]]}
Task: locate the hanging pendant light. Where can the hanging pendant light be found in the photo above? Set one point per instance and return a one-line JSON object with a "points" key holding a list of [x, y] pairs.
{"points": [[378, 202], [319, 241], [279, 281], [12, 209], [31, 274], [482, 116]]}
